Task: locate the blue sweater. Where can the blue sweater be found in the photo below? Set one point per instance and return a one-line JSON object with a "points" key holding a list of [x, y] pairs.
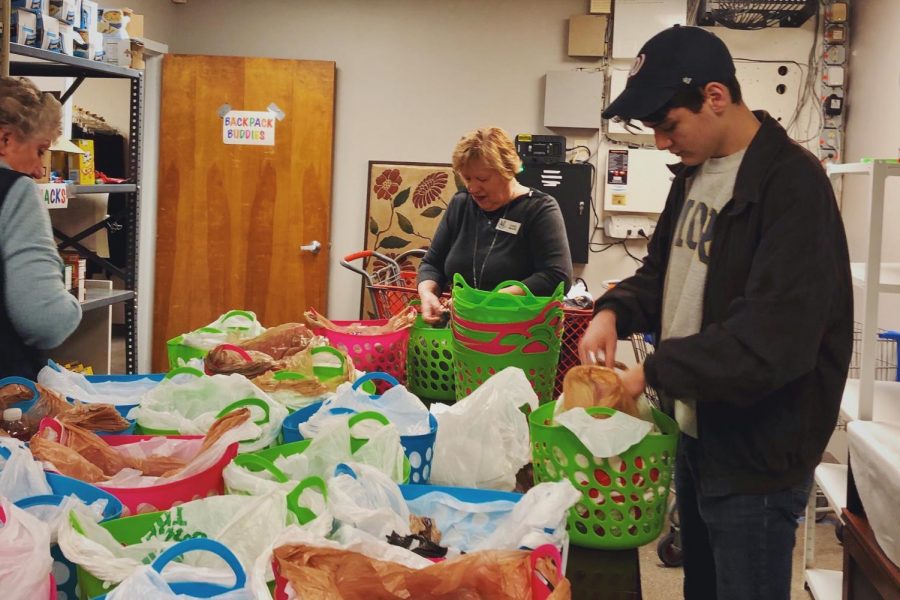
{"points": [[38, 305]]}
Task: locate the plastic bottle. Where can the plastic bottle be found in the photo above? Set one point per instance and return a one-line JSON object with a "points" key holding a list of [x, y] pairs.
{"points": [[15, 425]]}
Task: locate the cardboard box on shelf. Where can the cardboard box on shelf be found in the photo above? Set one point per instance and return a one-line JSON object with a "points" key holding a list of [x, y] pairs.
{"points": [[79, 272], [117, 51], [137, 55], [24, 27], [135, 26], [67, 39], [114, 21], [67, 11], [48, 28], [46, 166], [37, 5], [81, 166]]}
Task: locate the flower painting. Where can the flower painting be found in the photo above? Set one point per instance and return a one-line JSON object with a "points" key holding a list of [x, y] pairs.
{"points": [[406, 201]]}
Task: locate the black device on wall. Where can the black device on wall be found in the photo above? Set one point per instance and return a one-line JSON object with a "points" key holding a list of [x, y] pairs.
{"points": [[540, 149], [570, 184]]}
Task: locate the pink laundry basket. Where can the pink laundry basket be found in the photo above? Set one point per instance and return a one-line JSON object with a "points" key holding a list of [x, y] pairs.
{"points": [[384, 352]]}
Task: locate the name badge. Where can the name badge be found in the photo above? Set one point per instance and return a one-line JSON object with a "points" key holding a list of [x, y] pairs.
{"points": [[508, 226]]}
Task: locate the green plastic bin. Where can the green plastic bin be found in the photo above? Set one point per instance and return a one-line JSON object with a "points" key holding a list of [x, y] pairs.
{"points": [[624, 498]]}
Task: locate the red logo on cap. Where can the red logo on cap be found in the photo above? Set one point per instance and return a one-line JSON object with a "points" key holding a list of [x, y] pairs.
{"points": [[638, 63]]}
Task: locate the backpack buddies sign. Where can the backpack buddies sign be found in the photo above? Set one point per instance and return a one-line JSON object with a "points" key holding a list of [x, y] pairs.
{"points": [[249, 128]]}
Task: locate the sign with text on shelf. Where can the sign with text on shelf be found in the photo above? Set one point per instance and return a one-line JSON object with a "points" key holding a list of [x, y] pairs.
{"points": [[249, 128], [55, 195]]}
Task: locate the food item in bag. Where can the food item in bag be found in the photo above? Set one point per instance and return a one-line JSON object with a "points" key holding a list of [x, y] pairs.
{"points": [[328, 573], [14, 425], [418, 544], [402, 320], [281, 341], [587, 386], [425, 527], [310, 386], [225, 360]]}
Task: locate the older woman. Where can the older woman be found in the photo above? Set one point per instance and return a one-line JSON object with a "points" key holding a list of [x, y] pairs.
{"points": [[496, 230], [36, 311]]}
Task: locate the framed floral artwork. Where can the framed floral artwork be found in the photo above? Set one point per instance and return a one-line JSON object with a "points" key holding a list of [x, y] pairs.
{"points": [[405, 203]]}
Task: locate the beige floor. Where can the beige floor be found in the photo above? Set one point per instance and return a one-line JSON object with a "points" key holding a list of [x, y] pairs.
{"points": [[663, 583]]}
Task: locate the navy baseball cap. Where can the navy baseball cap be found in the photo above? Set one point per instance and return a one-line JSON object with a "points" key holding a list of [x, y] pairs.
{"points": [[673, 58]]}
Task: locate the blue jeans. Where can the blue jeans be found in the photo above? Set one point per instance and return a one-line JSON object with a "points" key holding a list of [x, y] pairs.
{"points": [[736, 547]]}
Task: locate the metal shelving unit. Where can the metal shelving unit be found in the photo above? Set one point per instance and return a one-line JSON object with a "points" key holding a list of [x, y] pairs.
{"points": [[863, 398], [34, 62]]}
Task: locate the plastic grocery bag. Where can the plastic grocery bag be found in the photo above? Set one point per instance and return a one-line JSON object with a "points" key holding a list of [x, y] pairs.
{"points": [[76, 386], [25, 561], [20, 475], [231, 327], [322, 573], [149, 582], [604, 437], [483, 440], [191, 406], [243, 523], [364, 497], [330, 448], [402, 408]]}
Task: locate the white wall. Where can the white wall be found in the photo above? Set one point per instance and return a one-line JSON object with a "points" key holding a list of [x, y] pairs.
{"points": [[412, 78], [873, 129]]}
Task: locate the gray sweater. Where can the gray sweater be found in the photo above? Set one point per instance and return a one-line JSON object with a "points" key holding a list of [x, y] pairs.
{"points": [[40, 308]]}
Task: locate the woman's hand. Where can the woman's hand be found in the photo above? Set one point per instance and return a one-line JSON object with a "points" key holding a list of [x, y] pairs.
{"points": [[598, 344], [432, 309]]}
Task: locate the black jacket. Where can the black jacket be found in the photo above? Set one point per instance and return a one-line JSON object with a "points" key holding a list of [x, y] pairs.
{"points": [[769, 364]]}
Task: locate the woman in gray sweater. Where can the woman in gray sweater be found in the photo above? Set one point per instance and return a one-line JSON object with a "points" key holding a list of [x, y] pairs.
{"points": [[37, 313]]}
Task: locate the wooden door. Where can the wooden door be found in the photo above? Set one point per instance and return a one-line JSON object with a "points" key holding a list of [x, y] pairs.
{"points": [[232, 218]]}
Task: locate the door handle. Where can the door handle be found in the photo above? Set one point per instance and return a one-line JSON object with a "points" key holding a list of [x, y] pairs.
{"points": [[313, 247]]}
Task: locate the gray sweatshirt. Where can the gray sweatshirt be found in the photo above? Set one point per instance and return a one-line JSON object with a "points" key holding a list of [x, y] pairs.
{"points": [[40, 308]]}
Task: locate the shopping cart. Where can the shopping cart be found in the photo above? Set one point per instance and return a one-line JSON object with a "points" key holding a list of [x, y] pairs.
{"points": [[390, 286]]}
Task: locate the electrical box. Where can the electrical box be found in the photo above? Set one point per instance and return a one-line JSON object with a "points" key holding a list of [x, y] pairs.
{"points": [[626, 227], [573, 99], [587, 35], [541, 148], [636, 180], [570, 184]]}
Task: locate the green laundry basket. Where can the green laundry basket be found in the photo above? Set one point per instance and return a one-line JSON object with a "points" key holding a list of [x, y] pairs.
{"points": [[473, 368], [624, 498], [429, 369], [496, 307]]}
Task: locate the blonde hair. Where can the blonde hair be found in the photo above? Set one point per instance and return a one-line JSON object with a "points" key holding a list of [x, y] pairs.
{"points": [[492, 146], [27, 111]]}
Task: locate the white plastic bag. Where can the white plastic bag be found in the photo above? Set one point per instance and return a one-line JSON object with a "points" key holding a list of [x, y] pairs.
{"points": [[604, 437], [233, 326], [25, 561], [190, 407], [243, 523], [368, 500], [20, 475], [76, 386], [483, 440], [401, 407], [332, 447], [152, 581]]}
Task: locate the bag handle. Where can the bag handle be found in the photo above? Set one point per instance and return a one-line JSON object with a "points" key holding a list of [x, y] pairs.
{"points": [[369, 415], [237, 313], [208, 329], [375, 376], [257, 402], [288, 376], [183, 371], [54, 365], [329, 350], [256, 463], [207, 545], [40, 500], [15, 379], [304, 514], [237, 350]]}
